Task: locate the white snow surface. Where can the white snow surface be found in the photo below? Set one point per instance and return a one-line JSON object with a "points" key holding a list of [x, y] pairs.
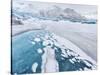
{"points": [[49, 63]]}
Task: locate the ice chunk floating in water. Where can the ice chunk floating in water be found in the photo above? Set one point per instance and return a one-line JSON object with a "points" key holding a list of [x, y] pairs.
{"points": [[47, 52], [39, 51], [34, 66]]}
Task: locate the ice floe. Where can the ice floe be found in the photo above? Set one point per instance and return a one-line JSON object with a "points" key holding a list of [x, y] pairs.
{"points": [[39, 50], [34, 66], [37, 39], [33, 42]]}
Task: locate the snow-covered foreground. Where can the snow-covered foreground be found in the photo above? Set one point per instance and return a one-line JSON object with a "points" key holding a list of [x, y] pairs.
{"points": [[42, 51]]}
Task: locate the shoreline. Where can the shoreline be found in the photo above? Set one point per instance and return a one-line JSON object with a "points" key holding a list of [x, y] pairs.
{"points": [[21, 32], [19, 29]]}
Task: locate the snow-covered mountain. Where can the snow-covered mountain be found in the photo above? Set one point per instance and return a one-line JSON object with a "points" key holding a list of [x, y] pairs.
{"points": [[25, 11], [56, 13]]}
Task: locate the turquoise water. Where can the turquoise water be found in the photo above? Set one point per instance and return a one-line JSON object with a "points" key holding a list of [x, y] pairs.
{"points": [[24, 54]]}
